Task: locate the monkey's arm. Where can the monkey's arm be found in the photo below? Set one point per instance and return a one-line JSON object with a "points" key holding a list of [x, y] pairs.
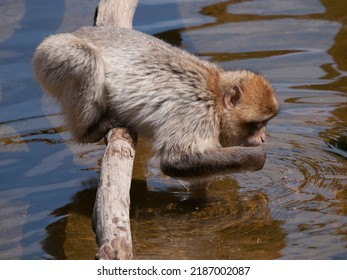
{"points": [[214, 162]]}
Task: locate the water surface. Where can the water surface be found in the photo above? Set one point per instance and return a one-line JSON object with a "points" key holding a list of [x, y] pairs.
{"points": [[295, 208]]}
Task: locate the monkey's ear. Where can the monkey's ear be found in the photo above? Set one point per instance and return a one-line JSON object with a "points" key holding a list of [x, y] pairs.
{"points": [[231, 97]]}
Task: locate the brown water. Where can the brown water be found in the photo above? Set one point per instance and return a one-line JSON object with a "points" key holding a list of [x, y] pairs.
{"points": [[295, 208]]}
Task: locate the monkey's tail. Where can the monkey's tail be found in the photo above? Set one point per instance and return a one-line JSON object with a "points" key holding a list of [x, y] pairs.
{"points": [[73, 72]]}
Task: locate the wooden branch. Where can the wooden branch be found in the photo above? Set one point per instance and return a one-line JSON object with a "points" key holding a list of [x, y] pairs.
{"points": [[118, 13], [111, 221]]}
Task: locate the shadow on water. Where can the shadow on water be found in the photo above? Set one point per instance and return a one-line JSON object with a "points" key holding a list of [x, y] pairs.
{"points": [[295, 208]]}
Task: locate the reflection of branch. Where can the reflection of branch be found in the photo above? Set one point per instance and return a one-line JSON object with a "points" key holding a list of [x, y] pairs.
{"points": [[111, 220], [222, 15]]}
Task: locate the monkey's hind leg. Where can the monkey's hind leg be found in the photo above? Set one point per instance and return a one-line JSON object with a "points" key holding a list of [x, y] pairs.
{"points": [[73, 71]]}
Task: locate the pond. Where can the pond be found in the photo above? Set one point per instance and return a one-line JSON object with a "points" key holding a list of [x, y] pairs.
{"points": [[294, 208]]}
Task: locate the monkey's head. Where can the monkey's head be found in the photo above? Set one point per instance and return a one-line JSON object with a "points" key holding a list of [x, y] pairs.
{"points": [[247, 102]]}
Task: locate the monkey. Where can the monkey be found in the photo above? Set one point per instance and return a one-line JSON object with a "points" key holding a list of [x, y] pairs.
{"points": [[201, 120]]}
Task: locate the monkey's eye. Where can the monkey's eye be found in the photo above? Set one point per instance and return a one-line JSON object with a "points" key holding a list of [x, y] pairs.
{"points": [[256, 125]]}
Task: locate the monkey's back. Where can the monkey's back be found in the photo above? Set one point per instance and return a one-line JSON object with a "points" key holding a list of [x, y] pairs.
{"points": [[152, 86]]}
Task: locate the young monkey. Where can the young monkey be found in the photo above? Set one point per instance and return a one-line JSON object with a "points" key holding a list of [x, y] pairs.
{"points": [[201, 120]]}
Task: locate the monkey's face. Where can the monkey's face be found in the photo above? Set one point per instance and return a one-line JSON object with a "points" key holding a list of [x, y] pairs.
{"points": [[247, 108], [256, 134], [247, 134]]}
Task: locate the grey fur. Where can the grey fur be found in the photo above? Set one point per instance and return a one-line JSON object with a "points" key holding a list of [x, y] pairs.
{"points": [[105, 77]]}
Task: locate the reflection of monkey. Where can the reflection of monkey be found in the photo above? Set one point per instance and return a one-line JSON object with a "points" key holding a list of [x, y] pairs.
{"points": [[202, 120]]}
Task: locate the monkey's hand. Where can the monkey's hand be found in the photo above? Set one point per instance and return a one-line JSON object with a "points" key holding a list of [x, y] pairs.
{"points": [[218, 161]]}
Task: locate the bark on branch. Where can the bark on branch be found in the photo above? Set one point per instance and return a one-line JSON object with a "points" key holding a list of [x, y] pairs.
{"points": [[118, 13], [111, 221]]}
